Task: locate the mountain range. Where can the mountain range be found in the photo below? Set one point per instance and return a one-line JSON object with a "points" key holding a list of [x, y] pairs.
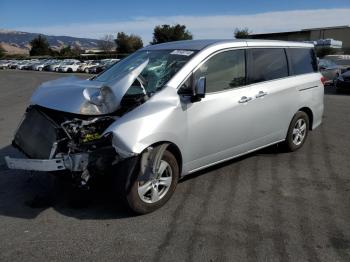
{"points": [[16, 42]]}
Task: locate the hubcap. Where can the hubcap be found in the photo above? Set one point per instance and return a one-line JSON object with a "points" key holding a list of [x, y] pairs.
{"points": [[155, 189], [299, 132]]}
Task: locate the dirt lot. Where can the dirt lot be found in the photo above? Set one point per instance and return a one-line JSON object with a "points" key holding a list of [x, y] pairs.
{"points": [[267, 206]]}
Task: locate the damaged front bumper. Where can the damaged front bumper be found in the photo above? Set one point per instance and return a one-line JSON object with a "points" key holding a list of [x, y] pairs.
{"points": [[35, 164], [75, 163], [56, 141]]}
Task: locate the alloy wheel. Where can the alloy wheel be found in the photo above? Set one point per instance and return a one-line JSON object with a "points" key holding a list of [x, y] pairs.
{"points": [[156, 188], [299, 132]]}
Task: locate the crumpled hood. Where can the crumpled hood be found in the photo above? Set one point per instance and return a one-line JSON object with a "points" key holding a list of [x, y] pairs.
{"points": [[85, 97]]}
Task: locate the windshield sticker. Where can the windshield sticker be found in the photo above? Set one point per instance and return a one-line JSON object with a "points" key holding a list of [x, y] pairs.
{"points": [[182, 52]]}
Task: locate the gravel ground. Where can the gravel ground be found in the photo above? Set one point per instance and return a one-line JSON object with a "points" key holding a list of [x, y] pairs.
{"points": [[267, 206]]}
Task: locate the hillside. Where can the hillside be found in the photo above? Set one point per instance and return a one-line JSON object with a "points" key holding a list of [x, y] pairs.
{"points": [[15, 42]]}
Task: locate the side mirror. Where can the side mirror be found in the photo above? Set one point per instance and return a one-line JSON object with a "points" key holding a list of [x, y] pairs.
{"points": [[200, 87], [194, 89]]}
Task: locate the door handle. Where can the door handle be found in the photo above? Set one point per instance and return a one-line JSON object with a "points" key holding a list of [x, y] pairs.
{"points": [[244, 99], [261, 94]]}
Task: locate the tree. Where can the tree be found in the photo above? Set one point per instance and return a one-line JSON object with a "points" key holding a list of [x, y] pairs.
{"points": [[241, 33], [40, 46], [107, 43], [66, 51], [127, 44], [168, 33], [69, 51], [76, 50], [2, 52]]}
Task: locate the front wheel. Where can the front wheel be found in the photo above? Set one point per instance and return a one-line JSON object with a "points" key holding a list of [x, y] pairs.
{"points": [[148, 192], [297, 132]]}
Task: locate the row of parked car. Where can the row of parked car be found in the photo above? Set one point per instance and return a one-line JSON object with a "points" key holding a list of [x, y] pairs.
{"points": [[55, 65], [335, 74]]}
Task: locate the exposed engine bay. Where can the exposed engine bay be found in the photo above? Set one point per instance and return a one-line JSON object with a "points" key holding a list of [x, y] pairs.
{"points": [[59, 141]]}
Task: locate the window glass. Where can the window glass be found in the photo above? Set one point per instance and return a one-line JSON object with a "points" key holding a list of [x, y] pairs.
{"points": [[302, 60], [267, 64], [223, 71], [161, 67]]}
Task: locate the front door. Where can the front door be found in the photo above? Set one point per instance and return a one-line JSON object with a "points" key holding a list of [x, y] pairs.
{"points": [[219, 126]]}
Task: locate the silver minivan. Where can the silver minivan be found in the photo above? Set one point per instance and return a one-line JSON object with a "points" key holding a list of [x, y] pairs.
{"points": [[169, 110]]}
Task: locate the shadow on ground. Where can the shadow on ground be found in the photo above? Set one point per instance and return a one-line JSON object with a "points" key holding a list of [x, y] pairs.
{"points": [[331, 90], [25, 194]]}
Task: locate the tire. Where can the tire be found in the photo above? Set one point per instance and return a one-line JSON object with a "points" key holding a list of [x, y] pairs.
{"points": [[131, 188], [69, 70], [297, 132]]}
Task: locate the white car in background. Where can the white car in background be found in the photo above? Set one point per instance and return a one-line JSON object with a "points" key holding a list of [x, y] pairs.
{"points": [[40, 65], [84, 67], [21, 64], [69, 66], [4, 64]]}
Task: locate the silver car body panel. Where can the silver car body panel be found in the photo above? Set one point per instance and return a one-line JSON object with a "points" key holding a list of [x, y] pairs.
{"points": [[207, 132]]}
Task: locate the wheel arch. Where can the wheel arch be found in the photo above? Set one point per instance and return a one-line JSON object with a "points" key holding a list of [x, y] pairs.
{"points": [[173, 148], [309, 113]]}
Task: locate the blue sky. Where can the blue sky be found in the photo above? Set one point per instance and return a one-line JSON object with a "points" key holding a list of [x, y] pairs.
{"points": [[203, 18]]}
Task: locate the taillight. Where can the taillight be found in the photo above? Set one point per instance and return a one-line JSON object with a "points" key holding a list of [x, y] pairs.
{"points": [[323, 80]]}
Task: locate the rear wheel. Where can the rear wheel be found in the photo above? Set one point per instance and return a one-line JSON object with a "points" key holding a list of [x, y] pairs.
{"points": [[297, 132]]}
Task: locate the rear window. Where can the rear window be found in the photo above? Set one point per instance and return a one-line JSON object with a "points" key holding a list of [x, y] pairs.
{"points": [[302, 60], [267, 64]]}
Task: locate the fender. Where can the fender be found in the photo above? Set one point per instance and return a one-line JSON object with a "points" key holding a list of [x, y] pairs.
{"points": [[160, 119]]}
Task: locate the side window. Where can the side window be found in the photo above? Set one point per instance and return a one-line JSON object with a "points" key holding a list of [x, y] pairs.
{"points": [[302, 60], [267, 64], [223, 71]]}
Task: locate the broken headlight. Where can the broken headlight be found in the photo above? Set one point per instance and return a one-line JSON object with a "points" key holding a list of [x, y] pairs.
{"points": [[85, 131]]}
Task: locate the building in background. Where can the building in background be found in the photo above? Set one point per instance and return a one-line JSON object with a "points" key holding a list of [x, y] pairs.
{"points": [[336, 37]]}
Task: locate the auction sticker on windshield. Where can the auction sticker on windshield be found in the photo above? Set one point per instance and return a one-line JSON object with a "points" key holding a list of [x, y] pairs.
{"points": [[182, 52]]}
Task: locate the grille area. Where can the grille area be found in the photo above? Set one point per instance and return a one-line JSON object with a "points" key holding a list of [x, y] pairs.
{"points": [[36, 134]]}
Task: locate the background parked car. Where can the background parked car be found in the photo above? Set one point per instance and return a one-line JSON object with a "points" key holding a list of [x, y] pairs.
{"points": [[40, 65], [84, 67], [341, 60], [52, 66], [329, 70], [343, 82], [69, 66], [29, 64], [106, 63], [4, 64]]}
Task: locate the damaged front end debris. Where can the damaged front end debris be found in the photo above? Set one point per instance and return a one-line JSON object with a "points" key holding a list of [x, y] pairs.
{"points": [[56, 141], [64, 127]]}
